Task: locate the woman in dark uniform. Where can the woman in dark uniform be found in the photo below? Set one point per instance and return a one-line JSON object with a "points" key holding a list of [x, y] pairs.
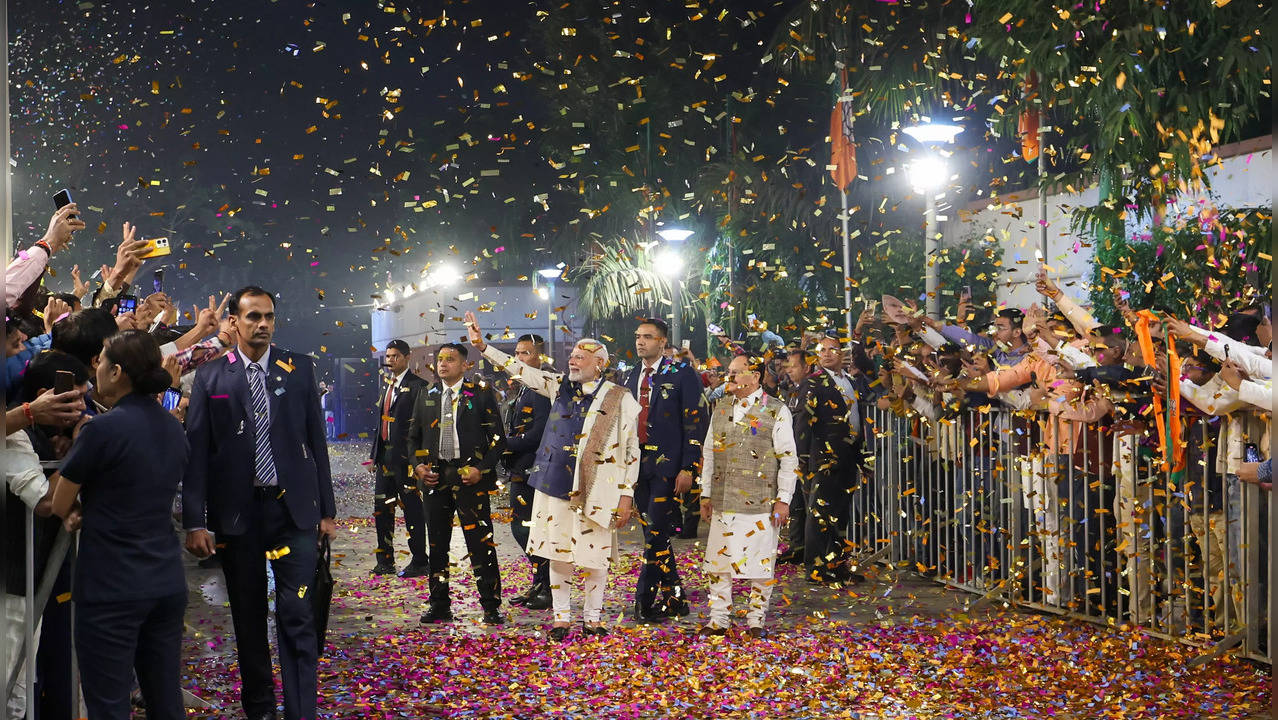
{"points": [[130, 592]]}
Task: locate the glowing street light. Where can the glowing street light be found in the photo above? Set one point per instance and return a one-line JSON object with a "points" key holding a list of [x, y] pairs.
{"points": [[547, 293], [928, 173], [669, 263]]}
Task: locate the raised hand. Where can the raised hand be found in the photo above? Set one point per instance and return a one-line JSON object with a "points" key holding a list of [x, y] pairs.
{"points": [[80, 288], [473, 331], [53, 310], [64, 222]]}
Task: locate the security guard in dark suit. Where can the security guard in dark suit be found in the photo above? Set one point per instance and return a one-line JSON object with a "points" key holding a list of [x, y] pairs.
{"points": [[395, 482], [456, 440], [525, 424]]}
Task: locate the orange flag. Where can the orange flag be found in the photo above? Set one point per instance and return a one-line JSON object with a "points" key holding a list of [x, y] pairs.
{"points": [[1027, 126], [1169, 430], [842, 140]]}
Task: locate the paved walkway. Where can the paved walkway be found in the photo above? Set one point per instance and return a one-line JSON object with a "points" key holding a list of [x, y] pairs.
{"points": [[896, 646]]}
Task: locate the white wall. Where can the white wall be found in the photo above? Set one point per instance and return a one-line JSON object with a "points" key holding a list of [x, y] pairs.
{"points": [[1243, 179]]}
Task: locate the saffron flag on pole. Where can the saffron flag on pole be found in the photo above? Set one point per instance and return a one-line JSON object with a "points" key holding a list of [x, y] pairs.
{"points": [[842, 141], [1028, 123]]}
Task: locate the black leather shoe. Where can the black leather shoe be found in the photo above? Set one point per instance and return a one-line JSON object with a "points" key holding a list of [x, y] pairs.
{"points": [[677, 608], [438, 615], [791, 557], [269, 715], [415, 570], [757, 633], [493, 617], [557, 634], [649, 616], [383, 568], [593, 630], [540, 601], [712, 631]]}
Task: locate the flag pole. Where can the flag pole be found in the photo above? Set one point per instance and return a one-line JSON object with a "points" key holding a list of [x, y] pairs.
{"points": [[847, 263]]}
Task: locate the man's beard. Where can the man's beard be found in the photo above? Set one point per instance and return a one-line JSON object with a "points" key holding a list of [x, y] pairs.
{"points": [[579, 376]]}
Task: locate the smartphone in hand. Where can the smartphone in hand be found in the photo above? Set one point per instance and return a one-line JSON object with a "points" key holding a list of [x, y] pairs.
{"points": [[62, 198], [63, 382], [128, 303]]}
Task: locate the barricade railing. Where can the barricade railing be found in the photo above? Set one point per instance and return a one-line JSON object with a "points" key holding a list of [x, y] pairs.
{"points": [[1080, 519]]}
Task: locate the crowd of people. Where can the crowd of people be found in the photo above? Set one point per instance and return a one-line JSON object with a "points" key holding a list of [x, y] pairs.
{"points": [[116, 407]]}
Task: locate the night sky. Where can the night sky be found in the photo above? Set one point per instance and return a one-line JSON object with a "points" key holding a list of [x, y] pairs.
{"points": [[310, 148]]}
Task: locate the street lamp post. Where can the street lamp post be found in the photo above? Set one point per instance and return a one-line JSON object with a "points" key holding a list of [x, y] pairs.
{"points": [[547, 293], [670, 263], [929, 174]]}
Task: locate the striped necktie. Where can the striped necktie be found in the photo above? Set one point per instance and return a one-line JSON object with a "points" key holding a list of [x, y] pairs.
{"points": [[262, 425], [447, 441]]}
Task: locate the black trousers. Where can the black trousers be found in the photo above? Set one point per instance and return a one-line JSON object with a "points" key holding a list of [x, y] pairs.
{"points": [[53, 656], [829, 506], [116, 639], [292, 552], [654, 498], [521, 500], [395, 488], [797, 528], [470, 505]]}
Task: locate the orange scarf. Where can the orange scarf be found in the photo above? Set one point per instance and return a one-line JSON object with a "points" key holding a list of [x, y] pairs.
{"points": [[1169, 427]]}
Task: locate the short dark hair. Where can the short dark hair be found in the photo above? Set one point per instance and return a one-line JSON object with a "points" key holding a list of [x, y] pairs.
{"points": [[1013, 314], [399, 345], [538, 341], [138, 355], [461, 349], [82, 333], [658, 323], [69, 299], [756, 364], [247, 290], [42, 373]]}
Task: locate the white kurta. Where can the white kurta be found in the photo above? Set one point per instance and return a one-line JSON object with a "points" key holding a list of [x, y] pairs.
{"points": [[744, 545], [556, 531]]}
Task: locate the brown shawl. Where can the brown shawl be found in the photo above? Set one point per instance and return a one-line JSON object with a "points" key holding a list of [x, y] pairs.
{"points": [[592, 454]]}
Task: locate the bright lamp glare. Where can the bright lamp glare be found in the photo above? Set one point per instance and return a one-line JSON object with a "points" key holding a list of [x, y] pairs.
{"points": [[674, 235], [668, 263], [934, 133], [928, 173], [543, 293], [550, 273]]}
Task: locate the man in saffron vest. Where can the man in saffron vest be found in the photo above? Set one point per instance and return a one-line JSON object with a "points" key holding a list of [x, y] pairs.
{"points": [[749, 471], [584, 473]]}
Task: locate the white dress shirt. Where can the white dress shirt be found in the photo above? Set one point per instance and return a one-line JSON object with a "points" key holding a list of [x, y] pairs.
{"points": [[456, 391]]}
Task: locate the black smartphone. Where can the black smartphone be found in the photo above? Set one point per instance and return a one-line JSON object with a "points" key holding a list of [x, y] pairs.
{"points": [[1251, 453], [127, 303], [63, 381], [61, 198], [157, 280], [171, 399]]}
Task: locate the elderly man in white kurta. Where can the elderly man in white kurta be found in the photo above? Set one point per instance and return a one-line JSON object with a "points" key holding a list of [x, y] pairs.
{"points": [[584, 473], [748, 475]]}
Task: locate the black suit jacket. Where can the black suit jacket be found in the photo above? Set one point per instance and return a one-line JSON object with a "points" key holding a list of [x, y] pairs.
{"points": [[401, 414], [822, 436], [525, 425], [677, 418], [479, 429], [217, 490]]}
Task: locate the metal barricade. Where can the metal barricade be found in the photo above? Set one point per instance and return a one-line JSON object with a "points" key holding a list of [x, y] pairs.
{"points": [[1076, 518]]}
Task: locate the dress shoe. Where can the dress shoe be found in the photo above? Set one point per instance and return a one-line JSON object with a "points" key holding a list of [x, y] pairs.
{"points": [[493, 617], [557, 634], [649, 616], [790, 557], [415, 570], [523, 597], [438, 615], [712, 631], [540, 601], [757, 633], [268, 715], [383, 568], [595, 630], [676, 607]]}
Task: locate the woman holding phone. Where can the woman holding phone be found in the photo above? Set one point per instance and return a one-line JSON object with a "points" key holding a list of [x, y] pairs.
{"points": [[130, 591]]}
